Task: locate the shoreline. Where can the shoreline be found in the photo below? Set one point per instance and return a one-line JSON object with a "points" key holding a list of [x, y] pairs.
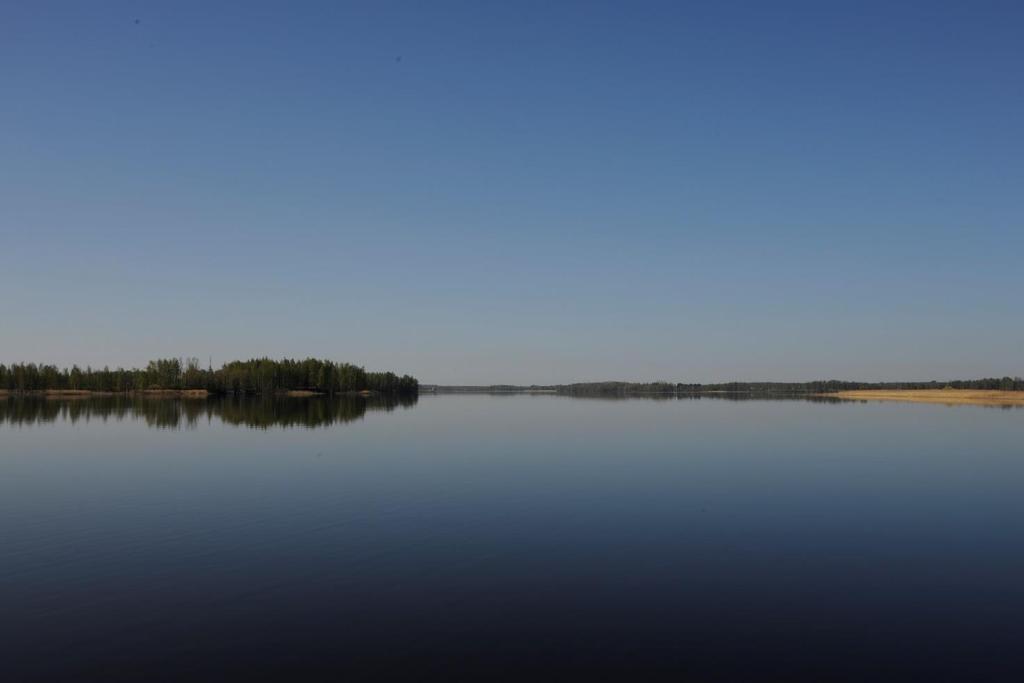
{"points": [[950, 397]]}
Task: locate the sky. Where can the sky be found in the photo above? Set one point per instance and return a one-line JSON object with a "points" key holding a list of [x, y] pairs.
{"points": [[527, 192]]}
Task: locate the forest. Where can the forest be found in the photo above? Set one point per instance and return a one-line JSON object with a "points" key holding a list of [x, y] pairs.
{"points": [[256, 376]]}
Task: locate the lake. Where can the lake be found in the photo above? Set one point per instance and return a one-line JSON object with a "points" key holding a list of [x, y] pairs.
{"points": [[490, 536]]}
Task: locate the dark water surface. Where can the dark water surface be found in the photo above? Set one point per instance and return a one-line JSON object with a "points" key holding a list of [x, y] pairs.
{"points": [[507, 536]]}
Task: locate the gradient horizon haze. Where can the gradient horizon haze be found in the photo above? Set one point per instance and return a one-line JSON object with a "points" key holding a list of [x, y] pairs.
{"points": [[517, 192]]}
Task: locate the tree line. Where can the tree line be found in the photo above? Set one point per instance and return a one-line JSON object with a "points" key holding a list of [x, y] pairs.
{"points": [[255, 376]]}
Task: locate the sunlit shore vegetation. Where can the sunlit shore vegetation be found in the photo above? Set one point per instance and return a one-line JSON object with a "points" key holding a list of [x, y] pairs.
{"points": [[946, 396], [173, 376]]}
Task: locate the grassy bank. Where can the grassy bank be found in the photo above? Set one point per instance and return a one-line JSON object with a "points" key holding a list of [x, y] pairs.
{"points": [[944, 396]]}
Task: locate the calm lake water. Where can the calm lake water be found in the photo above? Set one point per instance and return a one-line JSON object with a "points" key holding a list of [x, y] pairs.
{"points": [[504, 536]]}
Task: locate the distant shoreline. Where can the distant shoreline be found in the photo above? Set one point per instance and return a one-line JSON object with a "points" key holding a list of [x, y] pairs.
{"points": [[988, 397], [937, 395], [943, 396]]}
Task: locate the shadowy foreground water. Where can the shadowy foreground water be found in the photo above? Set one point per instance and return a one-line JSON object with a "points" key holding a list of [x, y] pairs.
{"points": [[501, 537]]}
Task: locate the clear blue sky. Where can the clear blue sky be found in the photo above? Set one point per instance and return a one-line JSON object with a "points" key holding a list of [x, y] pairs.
{"points": [[525, 192]]}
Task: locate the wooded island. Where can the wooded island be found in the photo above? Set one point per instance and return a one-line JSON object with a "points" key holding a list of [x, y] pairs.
{"points": [[173, 375]]}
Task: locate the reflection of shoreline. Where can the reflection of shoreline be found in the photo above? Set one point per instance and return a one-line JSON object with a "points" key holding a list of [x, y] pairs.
{"points": [[704, 396], [180, 412], [168, 393], [651, 395]]}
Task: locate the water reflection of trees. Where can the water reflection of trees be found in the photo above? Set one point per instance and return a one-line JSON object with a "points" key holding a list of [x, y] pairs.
{"points": [[178, 413]]}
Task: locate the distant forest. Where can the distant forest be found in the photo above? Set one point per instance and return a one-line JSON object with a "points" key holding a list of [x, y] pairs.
{"points": [[750, 388], [256, 376]]}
